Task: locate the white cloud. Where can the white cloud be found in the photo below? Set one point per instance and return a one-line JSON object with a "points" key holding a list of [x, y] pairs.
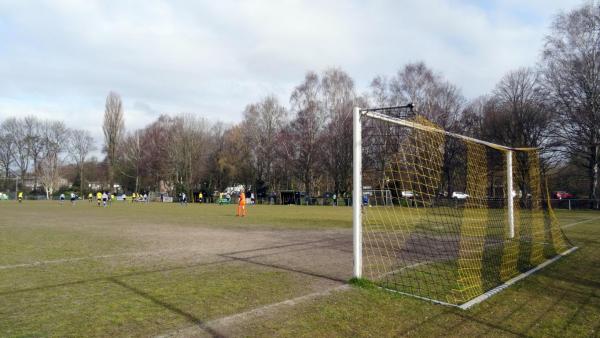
{"points": [[60, 58]]}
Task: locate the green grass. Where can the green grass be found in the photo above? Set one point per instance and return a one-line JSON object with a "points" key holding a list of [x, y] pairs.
{"points": [[92, 287], [562, 300]]}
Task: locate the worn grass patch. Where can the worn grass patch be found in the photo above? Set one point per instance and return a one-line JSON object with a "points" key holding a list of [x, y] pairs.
{"points": [[142, 304]]}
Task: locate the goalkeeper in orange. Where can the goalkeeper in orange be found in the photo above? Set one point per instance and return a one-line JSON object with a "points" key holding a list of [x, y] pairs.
{"points": [[241, 209]]}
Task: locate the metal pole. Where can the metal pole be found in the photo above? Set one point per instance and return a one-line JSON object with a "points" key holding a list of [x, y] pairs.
{"points": [[509, 189], [357, 191]]}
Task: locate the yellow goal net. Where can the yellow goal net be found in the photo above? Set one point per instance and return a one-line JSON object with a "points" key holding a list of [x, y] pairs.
{"points": [[446, 217]]}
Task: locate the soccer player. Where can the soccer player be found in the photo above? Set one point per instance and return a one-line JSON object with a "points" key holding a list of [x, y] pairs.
{"points": [[200, 197], [73, 198], [20, 196], [241, 209], [183, 199], [104, 199], [62, 198], [99, 197], [90, 196]]}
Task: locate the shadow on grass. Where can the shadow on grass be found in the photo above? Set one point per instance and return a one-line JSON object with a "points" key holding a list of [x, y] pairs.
{"points": [[222, 259], [107, 278], [190, 317], [285, 268]]}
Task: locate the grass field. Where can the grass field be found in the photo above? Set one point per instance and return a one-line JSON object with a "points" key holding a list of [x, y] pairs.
{"points": [[168, 270]]}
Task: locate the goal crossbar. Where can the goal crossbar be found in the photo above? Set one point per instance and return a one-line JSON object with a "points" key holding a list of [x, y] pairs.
{"points": [[415, 125]]}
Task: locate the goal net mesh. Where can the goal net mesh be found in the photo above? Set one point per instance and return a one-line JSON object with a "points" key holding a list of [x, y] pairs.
{"points": [[442, 231]]}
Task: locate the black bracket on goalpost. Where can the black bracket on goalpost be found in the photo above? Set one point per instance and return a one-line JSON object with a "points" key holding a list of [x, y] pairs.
{"points": [[401, 112]]}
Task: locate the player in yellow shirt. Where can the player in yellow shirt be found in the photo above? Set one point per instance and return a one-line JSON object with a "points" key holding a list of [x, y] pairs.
{"points": [[200, 197], [99, 198], [90, 197], [20, 196]]}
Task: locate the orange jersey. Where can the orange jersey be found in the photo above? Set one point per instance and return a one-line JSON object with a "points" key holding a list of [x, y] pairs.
{"points": [[242, 199]]}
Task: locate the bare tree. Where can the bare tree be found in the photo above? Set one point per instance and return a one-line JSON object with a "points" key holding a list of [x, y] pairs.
{"points": [[133, 155], [433, 97], [413, 84], [16, 131], [113, 128], [34, 139], [338, 96], [520, 111], [6, 150], [187, 149], [571, 71], [55, 133], [80, 144], [306, 130], [262, 123]]}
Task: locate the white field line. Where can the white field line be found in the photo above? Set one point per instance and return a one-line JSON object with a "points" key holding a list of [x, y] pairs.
{"points": [[405, 268], [76, 259], [251, 314], [584, 221], [275, 306]]}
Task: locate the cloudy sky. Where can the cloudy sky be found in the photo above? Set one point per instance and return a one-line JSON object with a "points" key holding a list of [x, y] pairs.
{"points": [[59, 59]]}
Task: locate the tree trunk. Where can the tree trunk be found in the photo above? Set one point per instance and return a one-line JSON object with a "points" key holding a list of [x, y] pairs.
{"points": [[81, 180], [307, 187], [35, 174], [111, 176], [594, 171]]}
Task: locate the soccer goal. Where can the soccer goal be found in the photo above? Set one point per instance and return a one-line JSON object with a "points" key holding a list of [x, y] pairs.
{"points": [[416, 238], [377, 197]]}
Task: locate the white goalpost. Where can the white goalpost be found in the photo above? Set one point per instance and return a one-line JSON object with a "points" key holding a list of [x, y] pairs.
{"points": [[357, 191], [433, 247]]}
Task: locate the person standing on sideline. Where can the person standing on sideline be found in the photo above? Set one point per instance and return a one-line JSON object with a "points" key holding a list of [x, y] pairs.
{"points": [[241, 209], [20, 196]]}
